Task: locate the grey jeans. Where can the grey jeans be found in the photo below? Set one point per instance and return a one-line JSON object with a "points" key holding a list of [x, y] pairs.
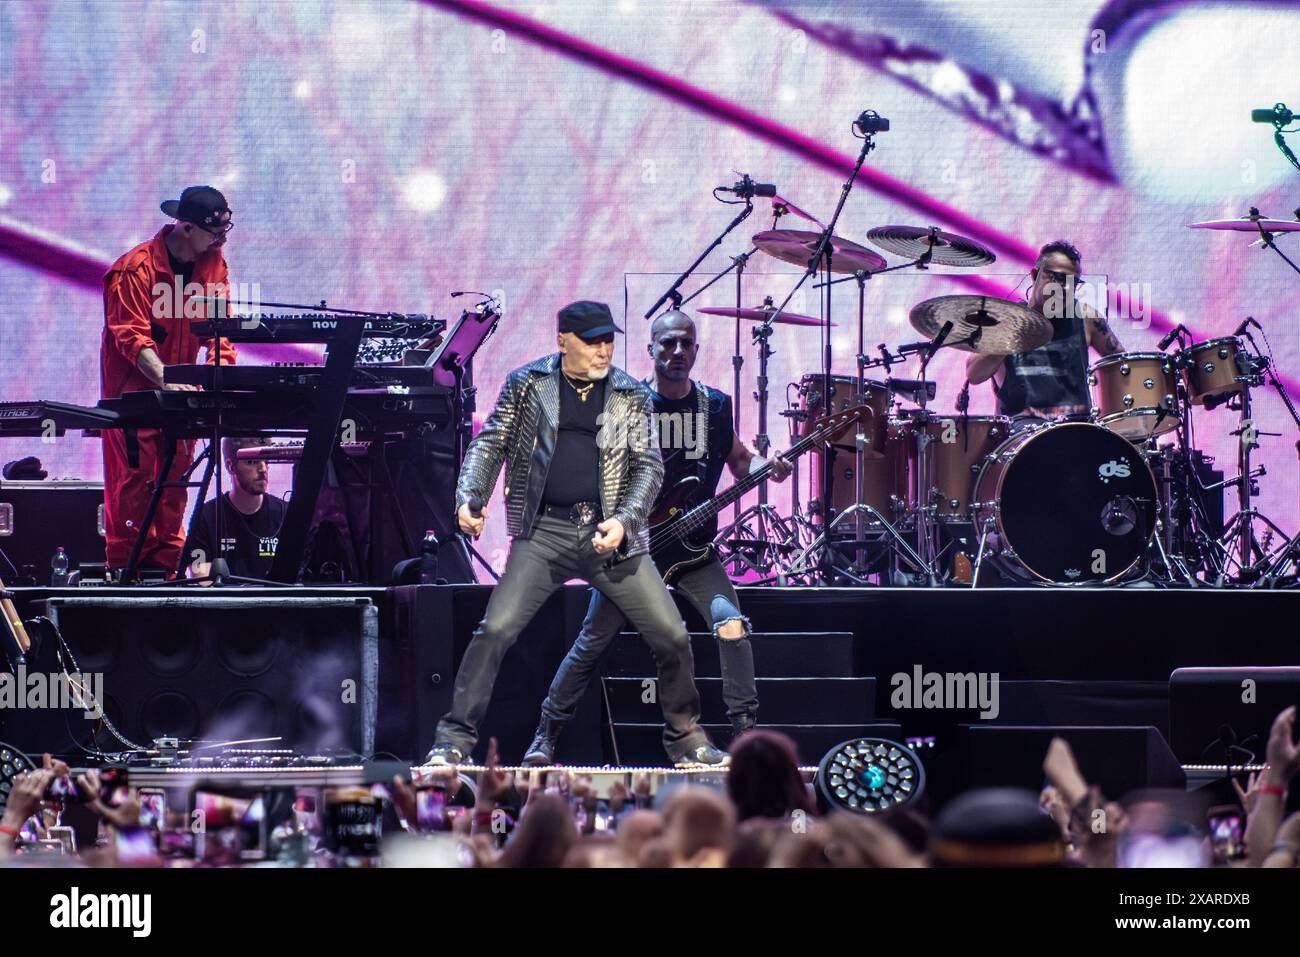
{"points": [[712, 594], [556, 552]]}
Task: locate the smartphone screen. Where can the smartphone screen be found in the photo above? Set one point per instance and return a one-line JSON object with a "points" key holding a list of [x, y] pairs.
{"points": [[153, 807], [1227, 831], [430, 809]]}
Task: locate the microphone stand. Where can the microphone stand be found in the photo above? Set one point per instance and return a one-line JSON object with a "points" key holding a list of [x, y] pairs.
{"points": [[821, 259], [672, 291], [1266, 238]]}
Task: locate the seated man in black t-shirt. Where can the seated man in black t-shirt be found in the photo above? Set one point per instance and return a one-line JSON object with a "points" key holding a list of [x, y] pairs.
{"points": [[250, 519]]}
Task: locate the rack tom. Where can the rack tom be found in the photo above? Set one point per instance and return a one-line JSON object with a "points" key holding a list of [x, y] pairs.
{"points": [[1134, 394], [844, 395], [1210, 369]]}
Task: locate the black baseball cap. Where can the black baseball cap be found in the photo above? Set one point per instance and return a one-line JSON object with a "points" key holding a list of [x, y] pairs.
{"points": [[586, 319], [201, 205]]}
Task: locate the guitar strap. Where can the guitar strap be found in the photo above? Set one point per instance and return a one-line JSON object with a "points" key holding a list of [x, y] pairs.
{"points": [[702, 417]]}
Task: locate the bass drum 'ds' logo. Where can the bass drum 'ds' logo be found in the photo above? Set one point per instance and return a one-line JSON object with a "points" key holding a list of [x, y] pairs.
{"points": [[1113, 469]]}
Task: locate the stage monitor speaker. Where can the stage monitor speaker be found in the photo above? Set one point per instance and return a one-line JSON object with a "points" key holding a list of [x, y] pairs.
{"points": [[1119, 759], [212, 667], [1214, 709]]}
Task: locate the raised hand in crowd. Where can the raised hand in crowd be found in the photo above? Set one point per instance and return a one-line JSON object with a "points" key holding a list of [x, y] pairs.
{"points": [[1283, 757]]}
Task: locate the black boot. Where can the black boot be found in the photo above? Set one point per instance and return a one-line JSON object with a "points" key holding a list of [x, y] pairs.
{"points": [[740, 724], [542, 750]]}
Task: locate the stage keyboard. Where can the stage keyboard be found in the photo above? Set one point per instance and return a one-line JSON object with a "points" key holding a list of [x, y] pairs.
{"points": [[288, 376], [316, 327]]}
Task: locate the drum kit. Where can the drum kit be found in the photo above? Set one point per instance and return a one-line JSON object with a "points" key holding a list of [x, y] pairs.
{"points": [[917, 496], [920, 496]]}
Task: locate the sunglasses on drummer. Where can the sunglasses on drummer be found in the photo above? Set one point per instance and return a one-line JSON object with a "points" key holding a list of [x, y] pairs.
{"points": [[1062, 277]]}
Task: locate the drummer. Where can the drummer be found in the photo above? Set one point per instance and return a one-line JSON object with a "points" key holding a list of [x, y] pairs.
{"points": [[1051, 381]]}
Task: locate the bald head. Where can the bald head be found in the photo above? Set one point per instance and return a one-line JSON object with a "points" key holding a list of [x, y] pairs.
{"points": [[673, 346]]}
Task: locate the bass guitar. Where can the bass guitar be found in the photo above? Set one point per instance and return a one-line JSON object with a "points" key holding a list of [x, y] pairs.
{"points": [[675, 527]]}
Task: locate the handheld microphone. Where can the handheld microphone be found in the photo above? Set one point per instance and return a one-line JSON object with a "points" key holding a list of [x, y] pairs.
{"points": [[748, 189], [1279, 115], [475, 506]]}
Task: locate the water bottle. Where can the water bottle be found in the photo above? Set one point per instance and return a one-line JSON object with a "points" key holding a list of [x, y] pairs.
{"points": [[59, 567], [429, 559]]}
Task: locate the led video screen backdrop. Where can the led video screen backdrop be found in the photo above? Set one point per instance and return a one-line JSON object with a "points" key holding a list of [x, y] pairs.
{"points": [[380, 154]]}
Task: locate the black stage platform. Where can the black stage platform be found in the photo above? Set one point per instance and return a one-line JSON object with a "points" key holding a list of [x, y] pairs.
{"points": [[826, 659]]}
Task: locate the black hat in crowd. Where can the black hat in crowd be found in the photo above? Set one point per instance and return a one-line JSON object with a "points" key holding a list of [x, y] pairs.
{"points": [[996, 827]]}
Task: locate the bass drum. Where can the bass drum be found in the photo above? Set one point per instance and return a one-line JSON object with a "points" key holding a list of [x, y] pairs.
{"points": [[1068, 503]]}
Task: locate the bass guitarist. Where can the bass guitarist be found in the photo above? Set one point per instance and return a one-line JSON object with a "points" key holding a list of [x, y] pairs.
{"points": [[701, 418]]}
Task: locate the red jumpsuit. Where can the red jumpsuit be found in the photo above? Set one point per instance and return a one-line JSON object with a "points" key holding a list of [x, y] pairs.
{"points": [[132, 323]]}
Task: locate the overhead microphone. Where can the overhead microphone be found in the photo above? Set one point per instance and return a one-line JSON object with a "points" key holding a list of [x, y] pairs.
{"points": [[1163, 344], [477, 292], [871, 122], [1278, 115], [748, 189]]}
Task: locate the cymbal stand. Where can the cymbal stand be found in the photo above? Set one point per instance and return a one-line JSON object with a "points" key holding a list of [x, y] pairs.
{"points": [[1288, 553], [1239, 532], [770, 532]]}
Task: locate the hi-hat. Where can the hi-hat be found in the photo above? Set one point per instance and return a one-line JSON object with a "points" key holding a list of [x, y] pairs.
{"points": [[946, 249], [1250, 224], [982, 324], [797, 246], [759, 315]]}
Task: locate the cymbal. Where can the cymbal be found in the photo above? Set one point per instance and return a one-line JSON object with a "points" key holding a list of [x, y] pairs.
{"points": [[1247, 224], [758, 315], [798, 245], [913, 241], [982, 324]]}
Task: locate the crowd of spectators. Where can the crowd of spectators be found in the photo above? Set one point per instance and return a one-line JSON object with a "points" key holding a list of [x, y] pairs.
{"points": [[766, 815]]}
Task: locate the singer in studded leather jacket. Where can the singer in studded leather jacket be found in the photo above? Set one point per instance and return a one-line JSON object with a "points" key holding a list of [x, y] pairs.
{"points": [[521, 432]]}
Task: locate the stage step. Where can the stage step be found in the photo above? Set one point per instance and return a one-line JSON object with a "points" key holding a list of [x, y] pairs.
{"points": [[781, 700], [777, 654], [644, 743]]}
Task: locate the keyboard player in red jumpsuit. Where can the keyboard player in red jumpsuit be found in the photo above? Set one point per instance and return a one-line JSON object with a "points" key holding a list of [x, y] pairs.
{"points": [[145, 330]]}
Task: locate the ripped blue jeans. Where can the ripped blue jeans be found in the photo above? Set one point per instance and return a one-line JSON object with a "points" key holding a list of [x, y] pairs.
{"points": [[711, 593]]}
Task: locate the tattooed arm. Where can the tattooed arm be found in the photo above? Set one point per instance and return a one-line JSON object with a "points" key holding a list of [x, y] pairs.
{"points": [[1100, 335]]}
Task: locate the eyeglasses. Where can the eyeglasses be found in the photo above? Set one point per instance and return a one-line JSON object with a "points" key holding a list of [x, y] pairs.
{"points": [[220, 230], [1063, 278]]}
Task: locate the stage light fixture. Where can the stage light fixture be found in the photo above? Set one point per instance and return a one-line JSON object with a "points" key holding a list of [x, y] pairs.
{"points": [[869, 775], [12, 763]]}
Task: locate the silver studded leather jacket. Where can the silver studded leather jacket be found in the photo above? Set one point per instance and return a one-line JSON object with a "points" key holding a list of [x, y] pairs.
{"points": [[521, 433]]}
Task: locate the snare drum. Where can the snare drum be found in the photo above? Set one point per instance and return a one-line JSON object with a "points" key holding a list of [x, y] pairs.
{"points": [[1069, 503], [957, 447], [844, 395], [1210, 369], [1134, 394]]}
